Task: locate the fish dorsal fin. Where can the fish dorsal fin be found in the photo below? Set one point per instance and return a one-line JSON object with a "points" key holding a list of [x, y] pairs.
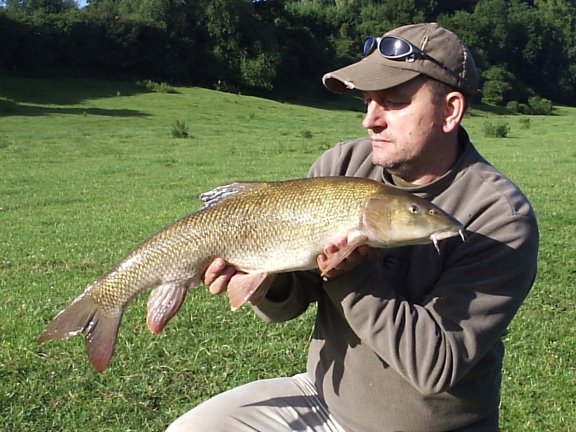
{"points": [[223, 192]]}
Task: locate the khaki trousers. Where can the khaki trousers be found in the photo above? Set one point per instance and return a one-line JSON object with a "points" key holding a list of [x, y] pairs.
{"points": [[274, 405]]}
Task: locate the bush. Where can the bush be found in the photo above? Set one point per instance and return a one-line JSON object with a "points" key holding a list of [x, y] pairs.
{"points": [[512, 106], [180, 130], [162, 87], [259, 72], [524, 109], [540, 106], [497, 85], [524, 123], [496, 130]]}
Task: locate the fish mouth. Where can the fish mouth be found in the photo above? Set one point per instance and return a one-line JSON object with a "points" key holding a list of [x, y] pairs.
{"points": [[441, 235]]}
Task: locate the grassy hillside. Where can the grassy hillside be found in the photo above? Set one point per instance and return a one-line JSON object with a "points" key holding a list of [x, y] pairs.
{"points": [[90, 169]]}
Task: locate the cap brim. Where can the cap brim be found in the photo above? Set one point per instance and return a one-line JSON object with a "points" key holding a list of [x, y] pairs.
{"points": [[366, 75]]}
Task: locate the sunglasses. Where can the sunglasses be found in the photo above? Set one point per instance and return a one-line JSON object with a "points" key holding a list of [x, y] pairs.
{"points": [[398, 49]]}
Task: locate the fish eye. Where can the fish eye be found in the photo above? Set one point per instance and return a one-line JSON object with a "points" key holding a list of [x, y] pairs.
{"points": [[432, 212], [414, 209]]}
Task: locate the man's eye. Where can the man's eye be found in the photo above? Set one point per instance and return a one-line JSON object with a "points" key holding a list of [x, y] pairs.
{"points": [[395, 102]]}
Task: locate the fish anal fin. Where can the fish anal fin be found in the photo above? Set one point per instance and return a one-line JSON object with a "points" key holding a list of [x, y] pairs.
{"points": [[345, 251], [243, 287], [101, 340], [216, 195], [84, 316], [163, 303]]}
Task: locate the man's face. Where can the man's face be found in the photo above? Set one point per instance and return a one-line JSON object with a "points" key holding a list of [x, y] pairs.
{"points": [[405, 124]]}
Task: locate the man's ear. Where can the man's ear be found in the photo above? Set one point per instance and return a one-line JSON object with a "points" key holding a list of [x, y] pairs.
{"points": [[455, 105]]}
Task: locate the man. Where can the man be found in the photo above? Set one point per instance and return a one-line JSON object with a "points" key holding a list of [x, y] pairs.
{"points": [[409, 340]]}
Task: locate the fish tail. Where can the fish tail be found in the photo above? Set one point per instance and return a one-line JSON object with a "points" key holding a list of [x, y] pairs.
{"points": [[83, 315]]}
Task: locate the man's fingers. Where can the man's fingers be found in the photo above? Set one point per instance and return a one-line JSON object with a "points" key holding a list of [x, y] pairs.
{"points": [[214, 270], [217, 276], [331, 248], [220, 283]]}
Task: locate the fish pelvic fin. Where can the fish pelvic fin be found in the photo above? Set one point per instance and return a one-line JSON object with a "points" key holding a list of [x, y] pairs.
{"points": [[244, 286], [163, 303], [84, 316]]}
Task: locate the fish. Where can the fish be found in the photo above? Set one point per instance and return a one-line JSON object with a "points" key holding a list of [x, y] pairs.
{"points": [[259, 228]]}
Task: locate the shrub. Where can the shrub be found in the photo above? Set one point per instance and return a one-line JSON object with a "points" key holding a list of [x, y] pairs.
{"points": [[540, 106], [512, 106], [524, 123], [524, 109], [497, 85], [180, 130], [162, 87], [260, 71], [496, 130]]}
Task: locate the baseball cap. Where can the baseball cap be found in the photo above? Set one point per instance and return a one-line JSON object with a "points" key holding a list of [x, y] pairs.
{"points": [[435, 52]]}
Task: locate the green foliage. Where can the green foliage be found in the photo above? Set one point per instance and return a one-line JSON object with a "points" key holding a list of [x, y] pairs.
{"points": [[497, 129], [512, 107], [259, 72], [180, 130], [153, 86], [528, 40], [536, 106], [540, 106], [524, 123], [524, 109], [497, 87], [524, 48], [78, 192]]}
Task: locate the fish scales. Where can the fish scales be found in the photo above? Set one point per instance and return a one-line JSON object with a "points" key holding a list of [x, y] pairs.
{"points": [[259, 228], [281, 238]]}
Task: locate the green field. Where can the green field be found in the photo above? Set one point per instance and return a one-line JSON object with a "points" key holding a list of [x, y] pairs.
{"points": [[90, 168]]}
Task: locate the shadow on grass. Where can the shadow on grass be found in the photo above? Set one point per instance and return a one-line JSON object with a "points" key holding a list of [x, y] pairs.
{"points": [[11, 108], [481, 109], [317, 96], [63, 91]]}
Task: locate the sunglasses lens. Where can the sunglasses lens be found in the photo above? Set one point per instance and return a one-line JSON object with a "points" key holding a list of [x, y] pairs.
{"points": [[369, 45], [393, 48]]}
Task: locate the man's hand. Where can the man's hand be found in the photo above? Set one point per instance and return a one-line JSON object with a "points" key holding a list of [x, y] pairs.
{"points": [[218, 275], [241, 287]]}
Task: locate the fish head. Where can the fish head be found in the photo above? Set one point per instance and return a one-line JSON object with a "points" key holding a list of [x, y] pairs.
{"points": [[397, 218]]}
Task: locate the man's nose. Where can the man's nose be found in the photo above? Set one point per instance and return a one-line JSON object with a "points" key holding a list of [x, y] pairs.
{"points": [[374, 117]]}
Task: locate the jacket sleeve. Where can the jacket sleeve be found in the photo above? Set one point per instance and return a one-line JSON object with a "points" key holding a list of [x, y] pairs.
{"points": [[300, 288], [435, 342]]}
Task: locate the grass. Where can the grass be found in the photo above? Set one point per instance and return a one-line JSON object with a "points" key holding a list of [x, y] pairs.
{"points": [[90, 169]]}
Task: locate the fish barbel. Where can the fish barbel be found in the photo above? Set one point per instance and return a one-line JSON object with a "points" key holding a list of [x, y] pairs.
{"points": [[259, 228]]}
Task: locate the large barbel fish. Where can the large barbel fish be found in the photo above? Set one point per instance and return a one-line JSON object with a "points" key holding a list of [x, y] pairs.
{"points": [[258, 228]]}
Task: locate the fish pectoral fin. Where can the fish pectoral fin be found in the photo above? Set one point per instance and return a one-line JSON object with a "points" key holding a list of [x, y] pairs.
{"points": [[84, 316], [243, 287], [344, 252], [258, 295], [163, 303]]}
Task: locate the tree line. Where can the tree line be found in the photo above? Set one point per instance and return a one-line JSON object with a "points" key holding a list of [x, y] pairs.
{"points": [[523, 48]]}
